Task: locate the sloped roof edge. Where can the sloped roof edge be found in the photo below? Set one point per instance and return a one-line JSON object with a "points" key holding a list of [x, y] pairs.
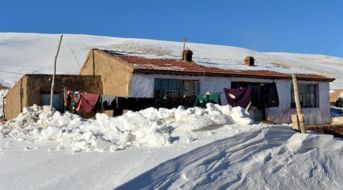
{"points": [[178, 67]]}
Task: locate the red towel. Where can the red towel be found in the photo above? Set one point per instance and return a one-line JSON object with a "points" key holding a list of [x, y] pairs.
{"points": [[87, 101]]}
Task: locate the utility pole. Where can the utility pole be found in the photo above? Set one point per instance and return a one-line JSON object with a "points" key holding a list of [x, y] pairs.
{"points": [[53, 76]]}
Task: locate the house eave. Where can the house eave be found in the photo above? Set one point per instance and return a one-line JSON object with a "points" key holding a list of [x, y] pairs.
{"points": [[173, 72]]}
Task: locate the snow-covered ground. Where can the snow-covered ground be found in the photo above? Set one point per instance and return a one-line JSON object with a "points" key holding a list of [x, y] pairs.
{"points": [[214, 148], [74, 152], [34, 53], [269, 158]]}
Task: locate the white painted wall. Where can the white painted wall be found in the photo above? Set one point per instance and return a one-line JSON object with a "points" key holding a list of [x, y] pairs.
{"points": [[215, 84], [143, 86], [319, 115]]}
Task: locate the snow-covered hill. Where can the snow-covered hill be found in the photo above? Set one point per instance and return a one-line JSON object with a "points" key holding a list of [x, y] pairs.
{"points": [[34, 53]]}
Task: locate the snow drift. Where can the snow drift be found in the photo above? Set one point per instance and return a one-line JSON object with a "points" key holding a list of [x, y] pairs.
{"points": [[149, 127], [268, 158]]}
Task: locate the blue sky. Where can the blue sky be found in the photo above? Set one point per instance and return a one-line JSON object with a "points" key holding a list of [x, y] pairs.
{"points": [[303, 26]]}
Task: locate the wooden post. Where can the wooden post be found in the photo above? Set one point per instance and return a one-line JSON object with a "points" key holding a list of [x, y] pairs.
{"points": [[301, 118], [53, 76], [93, 59]]}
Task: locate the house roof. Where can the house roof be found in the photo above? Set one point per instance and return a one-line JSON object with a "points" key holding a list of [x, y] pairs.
{"points": [[173, 66]]}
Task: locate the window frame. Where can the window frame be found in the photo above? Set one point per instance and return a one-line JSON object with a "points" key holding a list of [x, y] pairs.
{"points": [[302, 95], [175, 87]]}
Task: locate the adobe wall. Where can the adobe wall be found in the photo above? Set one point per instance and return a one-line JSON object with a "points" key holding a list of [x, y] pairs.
{"points": [[15, 99], [115, 76], [37, 84], [31, 87]]}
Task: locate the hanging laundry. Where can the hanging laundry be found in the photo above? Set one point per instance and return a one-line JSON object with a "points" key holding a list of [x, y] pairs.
{"points": [[71, 101], [173, 102], [257, 97], [238, 97], [265, 96], [68, 101], [270, 95], [87, 101], [108, 101], [202, 100]]}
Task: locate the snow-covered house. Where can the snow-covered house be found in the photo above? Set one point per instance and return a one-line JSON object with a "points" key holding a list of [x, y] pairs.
{"points": [[141, 77]]}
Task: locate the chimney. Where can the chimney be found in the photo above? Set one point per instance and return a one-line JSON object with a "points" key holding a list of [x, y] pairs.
{"points": [[187, 55], [250, 61]]}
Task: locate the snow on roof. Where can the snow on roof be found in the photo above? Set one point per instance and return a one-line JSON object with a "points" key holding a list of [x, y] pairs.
{"points": [[175, 66]]}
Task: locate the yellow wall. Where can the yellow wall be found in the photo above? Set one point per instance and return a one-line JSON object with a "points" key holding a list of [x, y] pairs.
{"points": [[15, 100], [115, 75]]}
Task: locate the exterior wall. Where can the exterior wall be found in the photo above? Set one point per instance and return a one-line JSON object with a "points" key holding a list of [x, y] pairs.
{"points": [[319, 115], [31, 87], [115, 76], [215, 84], [15, 100], [142, 86], [36, 84]]}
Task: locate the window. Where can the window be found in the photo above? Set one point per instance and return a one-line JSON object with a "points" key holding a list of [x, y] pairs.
{"points": [[175, 88], [57, 100], [308, 95]]}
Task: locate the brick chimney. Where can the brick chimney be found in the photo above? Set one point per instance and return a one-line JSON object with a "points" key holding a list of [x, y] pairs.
{"points": [[187, 55], [250, 61]]}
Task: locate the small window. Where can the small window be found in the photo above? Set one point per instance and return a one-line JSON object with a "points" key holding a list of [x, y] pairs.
{"points": [[175, 88], [308, 95], [57, 100]]}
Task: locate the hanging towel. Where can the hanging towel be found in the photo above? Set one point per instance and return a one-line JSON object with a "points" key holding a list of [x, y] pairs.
{"points": [[238, 97], [270, 95], [202, 100], [87, 101]]}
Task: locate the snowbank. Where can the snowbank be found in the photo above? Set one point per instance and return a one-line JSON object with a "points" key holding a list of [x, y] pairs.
{"points": [[149, 127], [269, 158]]}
